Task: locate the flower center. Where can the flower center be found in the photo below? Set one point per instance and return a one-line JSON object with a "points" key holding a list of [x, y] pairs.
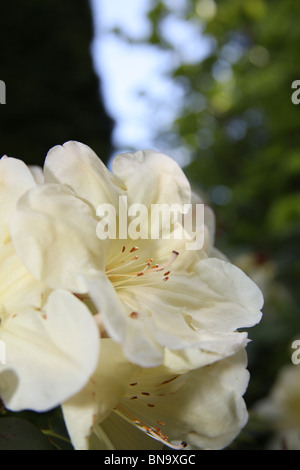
{"points": [[125, 269]]}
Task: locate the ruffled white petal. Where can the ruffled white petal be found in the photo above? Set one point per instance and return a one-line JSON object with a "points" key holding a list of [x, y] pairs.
{"points": [[15, 179], [194, 314], [77, 166], [236, 298], [54, 233], [101, 394], [18, 289], [204, 407], [50, 353], [138, 344], [150, 177], [37, 173]]}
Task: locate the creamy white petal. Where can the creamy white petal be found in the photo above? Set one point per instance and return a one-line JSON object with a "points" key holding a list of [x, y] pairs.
{"points": [[37, 173], [101, 394], [217, 297], [77, 166], [137, 343], [54, 233], [173, 307], [212, 348], [18, 289], [193, 311], [150, 177], [237, 299], [204, 408], [190, 311], [15, 179], [50, 353]]}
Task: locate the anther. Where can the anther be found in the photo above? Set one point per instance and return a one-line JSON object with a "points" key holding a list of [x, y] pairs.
{"points": [[134, 315], [160, 423]]}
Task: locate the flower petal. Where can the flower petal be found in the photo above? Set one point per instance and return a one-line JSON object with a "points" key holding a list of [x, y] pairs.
{"points": [[54, 233], [15, 179], [101, 394], [236, 298], [77, 166], [50, 354], [138, 344], [218, 297], [195, 315], [204, 408], [18, 289], [160, 179]]}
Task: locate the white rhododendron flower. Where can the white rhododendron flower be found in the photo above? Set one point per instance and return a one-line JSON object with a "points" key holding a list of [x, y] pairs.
{"points": [[281, 409], [163, 309], [38, 327]]}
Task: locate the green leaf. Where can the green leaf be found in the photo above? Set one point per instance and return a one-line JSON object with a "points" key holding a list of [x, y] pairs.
{"points": [[19, 434]]}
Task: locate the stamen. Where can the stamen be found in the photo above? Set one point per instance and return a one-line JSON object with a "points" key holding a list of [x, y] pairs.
{"points": [[151, 431], [121, 279], [120, 261], [172, 259], [122, 266], [148, 262]]}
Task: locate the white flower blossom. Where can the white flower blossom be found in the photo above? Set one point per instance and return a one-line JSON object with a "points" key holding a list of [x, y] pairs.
{"points": [[161, 309]]}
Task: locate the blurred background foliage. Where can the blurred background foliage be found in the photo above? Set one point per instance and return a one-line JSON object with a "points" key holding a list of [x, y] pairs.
{"points": [[237, 123]]}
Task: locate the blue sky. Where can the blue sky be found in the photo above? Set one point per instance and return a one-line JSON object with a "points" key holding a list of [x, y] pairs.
{"points": [[138, 93]]}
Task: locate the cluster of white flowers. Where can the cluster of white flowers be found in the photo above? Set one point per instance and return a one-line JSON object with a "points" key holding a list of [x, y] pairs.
{"points": [[135, 362]]}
